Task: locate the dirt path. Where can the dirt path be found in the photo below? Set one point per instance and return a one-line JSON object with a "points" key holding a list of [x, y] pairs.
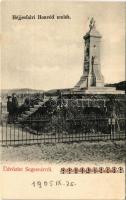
{"points": [[63, 153]]}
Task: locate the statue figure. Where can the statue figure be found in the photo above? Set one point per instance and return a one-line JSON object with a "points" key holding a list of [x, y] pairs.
{"points": [[92, 60], [92, 24]]}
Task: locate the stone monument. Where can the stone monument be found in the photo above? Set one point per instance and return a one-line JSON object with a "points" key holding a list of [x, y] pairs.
{"points": [[92, 80]]}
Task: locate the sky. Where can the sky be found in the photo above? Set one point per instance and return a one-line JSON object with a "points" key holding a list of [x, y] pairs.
{"points": [[47, 54]]}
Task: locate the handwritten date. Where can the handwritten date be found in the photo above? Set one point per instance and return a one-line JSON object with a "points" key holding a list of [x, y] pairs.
{"points": [[53, 183]]}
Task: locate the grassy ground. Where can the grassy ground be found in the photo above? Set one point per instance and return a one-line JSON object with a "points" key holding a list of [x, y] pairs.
{"points": [[114, 152]]}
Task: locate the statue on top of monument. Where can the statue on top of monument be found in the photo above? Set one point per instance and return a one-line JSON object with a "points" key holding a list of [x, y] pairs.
{"points": [[92, 24]]}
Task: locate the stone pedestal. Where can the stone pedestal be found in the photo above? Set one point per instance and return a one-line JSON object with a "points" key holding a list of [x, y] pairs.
{"points": [[99, 90], [92, 80]]}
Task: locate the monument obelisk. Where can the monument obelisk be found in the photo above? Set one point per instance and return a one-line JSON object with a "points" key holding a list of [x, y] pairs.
{"points": [[92, 80]]}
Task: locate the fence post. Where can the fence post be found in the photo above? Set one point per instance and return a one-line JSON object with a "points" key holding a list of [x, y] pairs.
{"points": [[113, 127], [88, 103], [104, 102], [1, 108], [110, 126]]}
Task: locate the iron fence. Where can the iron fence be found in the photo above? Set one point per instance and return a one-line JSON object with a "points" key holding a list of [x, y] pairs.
{"points": [[69, 120], [68, 130]]}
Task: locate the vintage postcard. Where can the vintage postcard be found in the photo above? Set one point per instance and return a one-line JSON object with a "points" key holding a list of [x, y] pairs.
{"points": [[62, 103]]}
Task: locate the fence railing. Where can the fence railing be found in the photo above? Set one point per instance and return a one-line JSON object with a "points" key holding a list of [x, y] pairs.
{"points": [[72, 120], [44, 131]]}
